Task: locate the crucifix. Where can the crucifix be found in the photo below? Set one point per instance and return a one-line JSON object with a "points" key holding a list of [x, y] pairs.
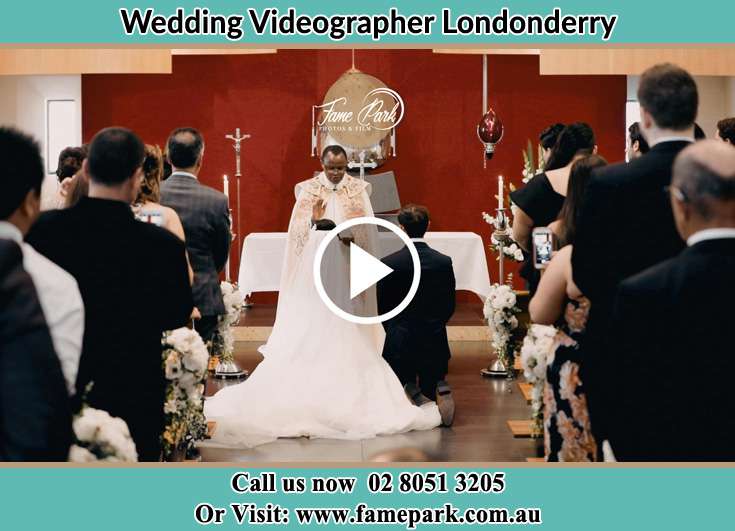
{"points": [[362, 165], [237, 139]]}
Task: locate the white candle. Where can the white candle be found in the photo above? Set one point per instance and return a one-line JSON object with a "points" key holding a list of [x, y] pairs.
{"points": [[500, 191], [226, 185]]}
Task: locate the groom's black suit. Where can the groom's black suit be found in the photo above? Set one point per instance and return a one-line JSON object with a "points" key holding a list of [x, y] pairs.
{"points": [[416, 339], [671, 332], [626, 225]]}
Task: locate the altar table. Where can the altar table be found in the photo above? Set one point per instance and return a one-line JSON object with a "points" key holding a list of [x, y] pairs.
{"points": [[263, 254]]}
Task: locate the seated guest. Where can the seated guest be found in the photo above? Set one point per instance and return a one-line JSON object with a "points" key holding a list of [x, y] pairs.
{"points": [[134, 284], [205, 215], [726, 130], [626, 224], [416, 344], [539, 202], [637, 145], [676, 316], [558, 301], [547, 140], [34, 405], [57, 290]]}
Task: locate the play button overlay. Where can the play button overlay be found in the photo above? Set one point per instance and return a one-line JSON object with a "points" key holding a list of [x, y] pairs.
{"points": [[348, 269], [365, 270]]}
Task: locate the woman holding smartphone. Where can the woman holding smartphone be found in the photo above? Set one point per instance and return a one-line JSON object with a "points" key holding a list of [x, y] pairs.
{"points": [[558, 301], [538, 203]]}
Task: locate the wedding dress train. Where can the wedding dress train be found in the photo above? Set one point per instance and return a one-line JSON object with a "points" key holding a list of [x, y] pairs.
{"points": [[321, 377]]}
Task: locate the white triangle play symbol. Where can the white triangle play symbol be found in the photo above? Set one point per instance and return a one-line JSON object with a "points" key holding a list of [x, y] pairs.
{"points": [[365, 270]]}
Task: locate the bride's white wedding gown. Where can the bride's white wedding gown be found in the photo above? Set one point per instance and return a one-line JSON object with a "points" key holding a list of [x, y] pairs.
{"points": [[321, 377]]}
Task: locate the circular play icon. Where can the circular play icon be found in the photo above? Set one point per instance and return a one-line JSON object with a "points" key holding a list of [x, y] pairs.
{"points": [[347, 269]]}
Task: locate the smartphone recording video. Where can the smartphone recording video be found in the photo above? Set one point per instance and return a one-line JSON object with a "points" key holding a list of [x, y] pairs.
{"points": [[543, 245]]}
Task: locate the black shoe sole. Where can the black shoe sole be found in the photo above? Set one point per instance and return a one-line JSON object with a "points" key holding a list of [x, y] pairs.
{"points": [[445, 402]]}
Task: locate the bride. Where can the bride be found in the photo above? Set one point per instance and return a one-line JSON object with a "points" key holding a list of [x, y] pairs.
{"points": [[321, 376]]}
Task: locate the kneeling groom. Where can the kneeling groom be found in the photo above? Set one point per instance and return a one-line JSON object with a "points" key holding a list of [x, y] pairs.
{"points": [[416, 344]]}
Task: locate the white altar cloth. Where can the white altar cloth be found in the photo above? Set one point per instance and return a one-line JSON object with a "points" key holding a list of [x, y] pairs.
{"points": [[263, 253]]}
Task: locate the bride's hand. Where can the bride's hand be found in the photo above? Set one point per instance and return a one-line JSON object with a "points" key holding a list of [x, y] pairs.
{"points": [[317, 211]]}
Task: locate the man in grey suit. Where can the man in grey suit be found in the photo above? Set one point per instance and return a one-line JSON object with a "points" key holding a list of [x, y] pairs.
{"points": [[204, 214]]}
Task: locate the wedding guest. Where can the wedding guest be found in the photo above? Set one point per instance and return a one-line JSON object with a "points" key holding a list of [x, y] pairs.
{"points": [[148, 202], [637, 145], [134, 284], [539, 202], [626, 224], [726, 130], [204, 213], [565, 226], [670, 315], [547, 139], [166, 165], [699, 132], [147, 206], [34, 406], [416, 345], [57, 290], [70, 162], [558, 301], [78, 188]]}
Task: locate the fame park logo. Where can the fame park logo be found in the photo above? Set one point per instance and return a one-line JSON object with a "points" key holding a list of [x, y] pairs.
{"points": [[381, 109]]}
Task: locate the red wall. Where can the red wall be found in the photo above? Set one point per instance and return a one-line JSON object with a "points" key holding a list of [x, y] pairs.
{"points": [[439, 161]]}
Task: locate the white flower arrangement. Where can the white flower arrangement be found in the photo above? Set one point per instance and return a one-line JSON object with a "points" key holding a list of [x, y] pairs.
{"points": [[185, 360], [511, 250], [101, 437], [223, 344], [499, 310], [537, 352], [530, 169]]}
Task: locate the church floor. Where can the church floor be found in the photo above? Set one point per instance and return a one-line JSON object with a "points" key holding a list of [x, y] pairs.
{"points": [[479, 433]]}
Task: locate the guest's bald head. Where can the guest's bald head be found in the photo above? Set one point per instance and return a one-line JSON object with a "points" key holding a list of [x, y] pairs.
{"points": [[703, 185]]}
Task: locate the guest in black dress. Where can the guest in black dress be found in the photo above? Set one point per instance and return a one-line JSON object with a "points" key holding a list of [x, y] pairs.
{"points": [[547, 140], [540, 201]]}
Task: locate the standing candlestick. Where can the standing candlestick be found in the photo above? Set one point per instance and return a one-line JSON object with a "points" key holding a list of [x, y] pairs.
{"points": [[226, 190], [501, 236], [500, 191]]}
